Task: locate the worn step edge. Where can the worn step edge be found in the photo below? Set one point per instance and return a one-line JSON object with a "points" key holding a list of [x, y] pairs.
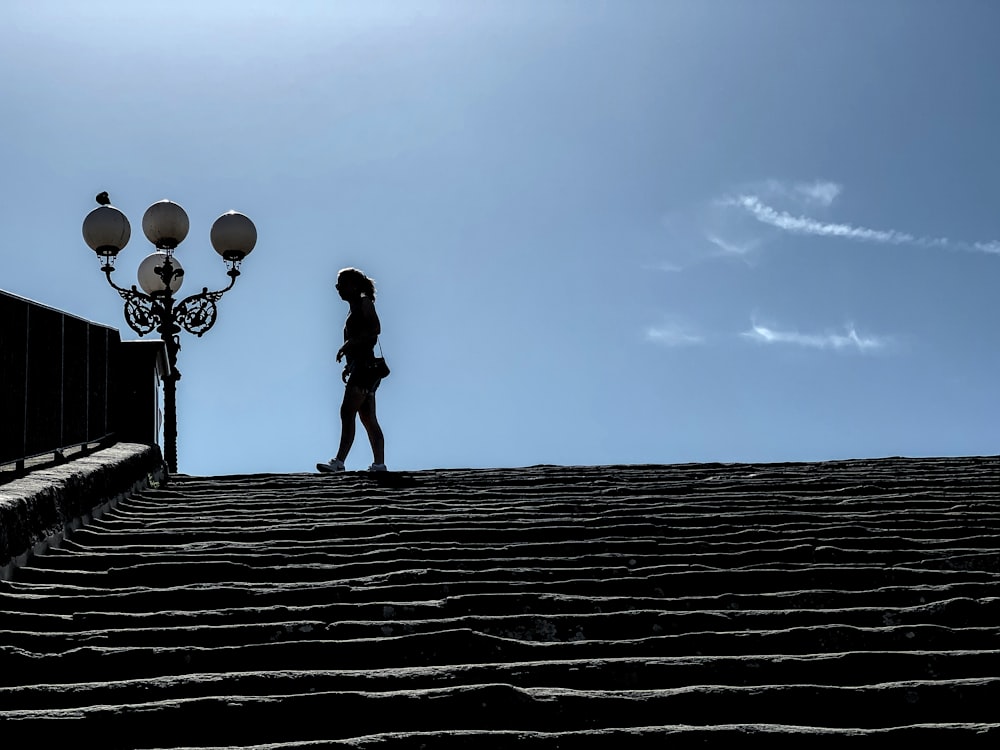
{"points": [[554, 627], [193, 599], [723, 735], [239, 718], [18, 666], [842, 669]]}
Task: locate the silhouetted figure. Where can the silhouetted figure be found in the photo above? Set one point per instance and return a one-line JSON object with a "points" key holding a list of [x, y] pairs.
{"points": [[361, 331], [103, 199]]}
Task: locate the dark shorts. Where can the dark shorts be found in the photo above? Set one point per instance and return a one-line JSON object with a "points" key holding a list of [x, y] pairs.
{"points": [[361, 375]]}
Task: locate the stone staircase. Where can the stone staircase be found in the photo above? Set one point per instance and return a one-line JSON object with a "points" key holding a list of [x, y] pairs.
{"points": [[546, 607]]}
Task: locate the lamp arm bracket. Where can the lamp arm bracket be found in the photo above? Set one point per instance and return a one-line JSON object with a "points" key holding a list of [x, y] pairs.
{"points": [[140, 309], [126, 294]]}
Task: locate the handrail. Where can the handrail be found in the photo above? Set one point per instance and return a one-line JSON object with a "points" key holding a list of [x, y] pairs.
{"points": [[55, 380]]}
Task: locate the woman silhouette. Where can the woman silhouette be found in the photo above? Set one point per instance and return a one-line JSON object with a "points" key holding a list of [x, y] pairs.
{"points": [[361, 331]]}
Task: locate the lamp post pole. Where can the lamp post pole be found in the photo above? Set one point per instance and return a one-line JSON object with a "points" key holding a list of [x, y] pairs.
{"points": [[106, 230]]}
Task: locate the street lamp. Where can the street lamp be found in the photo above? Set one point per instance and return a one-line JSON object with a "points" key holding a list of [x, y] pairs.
{"points": [[106, 230]]}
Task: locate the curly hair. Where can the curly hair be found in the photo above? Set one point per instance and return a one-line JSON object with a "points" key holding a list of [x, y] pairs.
{"points": [[365, 284]]}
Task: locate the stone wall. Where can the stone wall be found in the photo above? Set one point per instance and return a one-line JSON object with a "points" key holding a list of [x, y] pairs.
{"points": [[37, 510]]}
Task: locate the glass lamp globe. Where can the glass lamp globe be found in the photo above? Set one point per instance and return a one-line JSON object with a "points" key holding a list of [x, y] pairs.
{"points": [[233, 236], [106, 230], [150, 281], [165, 224]]}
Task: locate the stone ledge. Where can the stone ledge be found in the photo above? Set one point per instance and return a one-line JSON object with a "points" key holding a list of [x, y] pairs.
{"points": [[38, 510]]}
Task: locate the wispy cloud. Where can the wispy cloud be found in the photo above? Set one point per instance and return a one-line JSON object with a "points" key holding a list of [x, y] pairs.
{"points": [[823, 194], [988, 247], [805, 225], [850, 339], [737, 225], [820, 192], [673, 334], [732, 248], [664, 267]]}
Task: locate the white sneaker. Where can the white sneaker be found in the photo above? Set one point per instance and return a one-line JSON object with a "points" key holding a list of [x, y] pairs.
{"points": [[331, 466], [377, 467]]}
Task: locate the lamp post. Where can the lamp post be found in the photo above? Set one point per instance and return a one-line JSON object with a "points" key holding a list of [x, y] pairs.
{"points": [[106, 230]]}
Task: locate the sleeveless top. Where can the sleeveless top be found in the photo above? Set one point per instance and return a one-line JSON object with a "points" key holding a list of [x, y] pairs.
{"points": [[354, 328]]}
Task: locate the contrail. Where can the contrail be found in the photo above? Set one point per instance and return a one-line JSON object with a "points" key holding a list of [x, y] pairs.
{"points": [[806, 225]]}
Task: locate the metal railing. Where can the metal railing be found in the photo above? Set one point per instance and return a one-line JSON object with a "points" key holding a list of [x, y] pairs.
{"points": [[55, 380]]}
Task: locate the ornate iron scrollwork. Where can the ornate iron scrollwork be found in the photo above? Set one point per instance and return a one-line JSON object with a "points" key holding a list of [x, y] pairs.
{"points": [[198, 312], [139, 314]]}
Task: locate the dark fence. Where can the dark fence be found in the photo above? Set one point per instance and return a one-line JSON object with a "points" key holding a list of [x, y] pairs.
{"points": [[56, 373]]}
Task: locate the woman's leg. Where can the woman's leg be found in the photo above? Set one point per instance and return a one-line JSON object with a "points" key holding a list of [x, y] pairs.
{"points": [[366, 411], [353, 398]]}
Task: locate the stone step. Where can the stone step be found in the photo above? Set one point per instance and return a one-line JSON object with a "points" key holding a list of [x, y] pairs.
{"points": [[371, 539], [388, 558], [243, 720], [744, 541], [17, 599], [967, 735], [677, 577], [390, 647], [843, 669], [606, 625], [548, 606]]}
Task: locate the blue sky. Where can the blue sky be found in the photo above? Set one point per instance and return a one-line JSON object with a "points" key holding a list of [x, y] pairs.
{"points": [[602, 232]]}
